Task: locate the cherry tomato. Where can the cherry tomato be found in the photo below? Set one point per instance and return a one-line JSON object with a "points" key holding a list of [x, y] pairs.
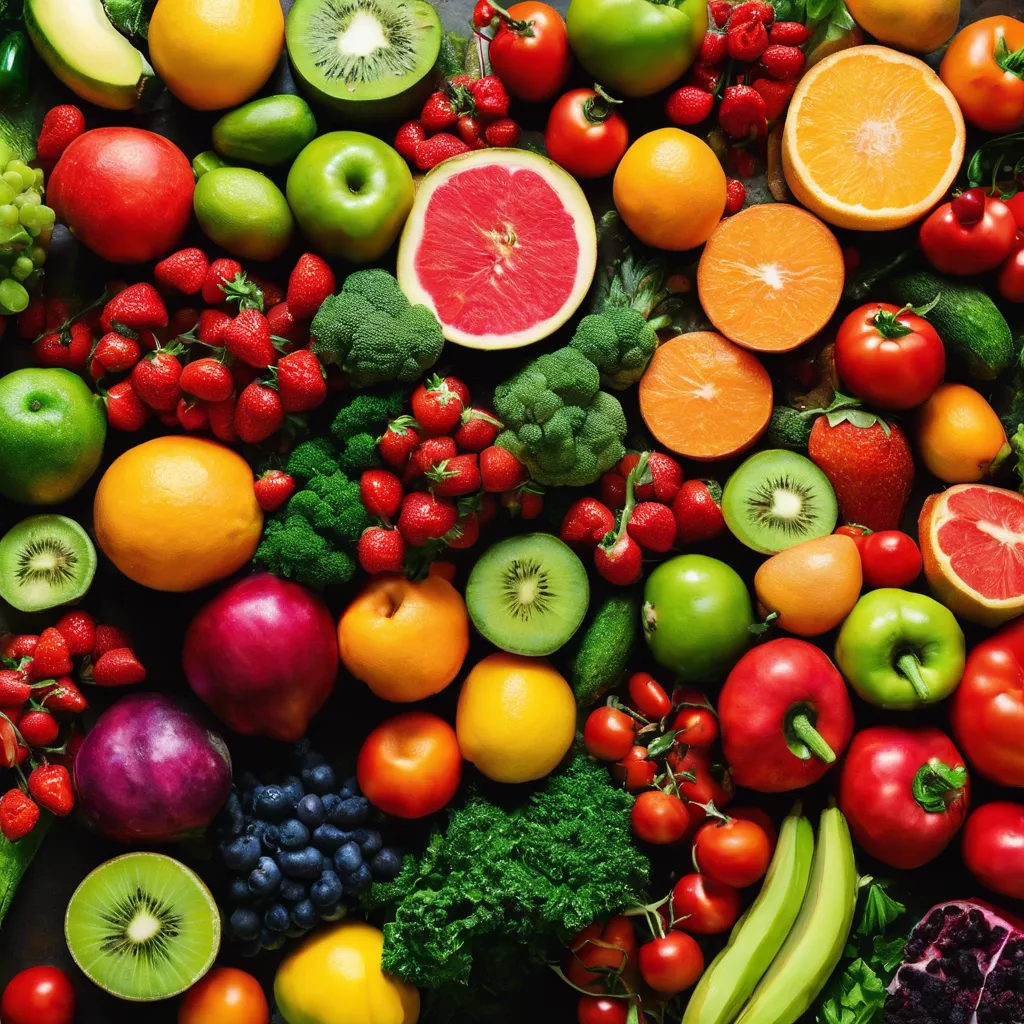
{"points": [[410, 765], [698, 726], [1010, 280], [648, 695], [225, 996], [704, 906], [483, 14], [635, 770], [530, 53], [735, 852], [611, 946], [659, 817], [890, 358], [712, 784], [40, 995], [856, 533], [955, 247], [758, 817], [671, 963], [890, 558], [609, 734], [976, 69], [584, 134], [994, 847], [602, 1010]]}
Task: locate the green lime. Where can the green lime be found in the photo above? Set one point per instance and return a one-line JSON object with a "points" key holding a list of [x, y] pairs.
{"points": [[244, 212], [268, 131], [52, 429]]}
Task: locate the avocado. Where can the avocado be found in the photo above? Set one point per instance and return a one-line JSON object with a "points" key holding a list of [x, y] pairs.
{"points": [[84, 50], [269, 131]]}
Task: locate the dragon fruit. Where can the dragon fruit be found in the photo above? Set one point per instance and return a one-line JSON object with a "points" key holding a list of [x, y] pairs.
{"points": [[964, 964]]}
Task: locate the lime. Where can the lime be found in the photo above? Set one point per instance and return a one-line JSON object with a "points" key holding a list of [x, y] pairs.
{"points": [[268, 131], [52, 429], [244, 212]]}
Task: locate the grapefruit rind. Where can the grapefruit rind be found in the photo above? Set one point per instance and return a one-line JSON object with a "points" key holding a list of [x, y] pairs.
{"points": [[950, 588], [573, 200]]}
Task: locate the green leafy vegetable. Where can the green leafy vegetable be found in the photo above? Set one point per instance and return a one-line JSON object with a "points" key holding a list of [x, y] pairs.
{"points": [[879, 911], [859, 999]]}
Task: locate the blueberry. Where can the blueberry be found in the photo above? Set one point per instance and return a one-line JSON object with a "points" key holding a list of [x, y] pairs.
{"points": [[271, 839], [348, 858], [292, 890], [307, 863], [320, 780], [311, 811], [387, 864], [248, 781], [359, 881], [327, 838], [369, 841], [293, 790], [352, 785], [294, 932], [232, 816], [277, 917], [265, 878], [255, 827], [271, 940], [271, 803], [241, 854], [310, 759], [326, 890], [304, 914], [250, 948], [335, 912], [330, 802], [238, 891], [351, 813], [245, 923], [293, 835]]}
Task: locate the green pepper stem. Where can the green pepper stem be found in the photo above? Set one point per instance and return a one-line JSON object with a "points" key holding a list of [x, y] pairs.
{"points": [[804, 731], [911, 669], [936, 785]]}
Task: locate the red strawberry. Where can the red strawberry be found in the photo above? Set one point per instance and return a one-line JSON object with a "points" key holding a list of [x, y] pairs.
{"points": [[67, 350], [746, 40], [38, 728], [381, 493], [212, 325], [398, 441], [488, 508], [455, 477], [270, 293], [652, 526], [381, 549], [156, 380], [500, 470], [660, 481], [220, 273], [754, 10], [477, 429], [273, 488], [706, 77], [79, 631], [137, 308], [14, 688], [191, 414], [283, 325], [222, 420], [50, 784], [490, 97], [714, 48], [776, 96], [22, 645], [427, 455], [437, 149], [185, 271], [586, 522], [258, 413], [503, 132], [465, 533], [208, 379], [438, 113], [425, 517], [125, 410], [60, 311], [618, 557], [735, 195], [311, 281], [61, 126], [744, 162], [720, 11], [789, 33], [63, 695], [613, 488], [742, 112], [300, 381], [457, 386], [118, 667], [697, 510], [248, 338], [408, 137], [52, 656], [116, 353], [524, 502], [436, 406], [18, 815], [243, 375], [689, 105], [32, 320], [109, 638], [783, 62], [869, 464], [470, 130]]}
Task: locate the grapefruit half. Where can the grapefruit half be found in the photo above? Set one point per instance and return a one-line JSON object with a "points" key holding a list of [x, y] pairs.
{"points": [[501, 245], [972, 540]]}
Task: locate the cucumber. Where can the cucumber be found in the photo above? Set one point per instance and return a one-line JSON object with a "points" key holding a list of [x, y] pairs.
{"points": [[603, 654], [270, 131]]}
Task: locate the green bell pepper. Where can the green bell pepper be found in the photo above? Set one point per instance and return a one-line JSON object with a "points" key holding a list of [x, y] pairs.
{"points": [[15, 57], [900, 650], [636, 47]]}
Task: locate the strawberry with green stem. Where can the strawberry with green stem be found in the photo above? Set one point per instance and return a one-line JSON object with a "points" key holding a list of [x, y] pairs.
{"points": [[618, 557]]}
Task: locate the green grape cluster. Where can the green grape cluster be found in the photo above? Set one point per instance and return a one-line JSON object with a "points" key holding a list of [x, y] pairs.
{"points": [[26, 226]]}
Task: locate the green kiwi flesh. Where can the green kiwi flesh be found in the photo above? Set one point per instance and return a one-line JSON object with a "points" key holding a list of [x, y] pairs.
{"points": [[365, 59], [45, 561], [528, 594], [143, 927], [776, 499]]}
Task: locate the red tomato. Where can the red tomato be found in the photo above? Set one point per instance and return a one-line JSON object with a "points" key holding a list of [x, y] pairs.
{"points": [[758, 817], [1010, 280], [648, 695], [225, 996], [584, 134], [890, 358], [659, 817], [40, 995], [712, 783], [530, 53], [735, 852], [964, 248], [602, 1010], [635, 770], [854, 532], [994, 847], [483, 14], [889, 558], [671, 963], [975, 69], [702, 905], [410, 765], [609, 734], [698, 726], [611, 946]]}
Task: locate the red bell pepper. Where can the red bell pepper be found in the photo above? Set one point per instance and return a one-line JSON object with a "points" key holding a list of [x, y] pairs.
{"points": [[987, 708]]}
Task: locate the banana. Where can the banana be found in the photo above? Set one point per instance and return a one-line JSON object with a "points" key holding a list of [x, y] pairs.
{"points": [[816, 943], [760, 933]]}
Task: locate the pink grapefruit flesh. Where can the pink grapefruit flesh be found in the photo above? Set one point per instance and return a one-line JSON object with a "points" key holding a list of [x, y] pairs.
{"points": [[501, 245], [972, 539]]}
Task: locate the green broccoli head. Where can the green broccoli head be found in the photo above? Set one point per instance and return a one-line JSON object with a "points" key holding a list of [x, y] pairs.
{"points": [[373, 333], [619, 342], [558, 422], [367, 413], [291, 548], [312, 458]]}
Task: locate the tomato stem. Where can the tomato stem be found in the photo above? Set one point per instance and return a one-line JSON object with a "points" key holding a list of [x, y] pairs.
{"points": [[936, 785], [1009, 60], [597, 109]]}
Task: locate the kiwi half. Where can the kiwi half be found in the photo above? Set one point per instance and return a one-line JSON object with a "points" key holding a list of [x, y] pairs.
{"points": [[143, 927], [528, 594], [366, 59], [45, 561], [777, 499]]}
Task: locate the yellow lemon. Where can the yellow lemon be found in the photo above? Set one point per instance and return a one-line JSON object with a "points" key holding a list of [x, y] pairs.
{"points": [[215, 53], [516, 718]]}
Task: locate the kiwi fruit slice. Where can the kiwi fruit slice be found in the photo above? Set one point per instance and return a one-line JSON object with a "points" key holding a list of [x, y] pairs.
{"points": [[367, 60], [45, 561], [528, 594], [143, 927], [777, 499]]}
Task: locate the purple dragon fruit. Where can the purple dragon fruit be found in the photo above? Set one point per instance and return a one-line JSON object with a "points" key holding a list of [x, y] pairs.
{"points": [[964, 965]]}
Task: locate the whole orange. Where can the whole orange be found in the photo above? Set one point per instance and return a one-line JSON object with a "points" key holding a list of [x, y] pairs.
{"points": [[406, 640], [177, 513], [670, 189], [959, 434], [225, 996]]}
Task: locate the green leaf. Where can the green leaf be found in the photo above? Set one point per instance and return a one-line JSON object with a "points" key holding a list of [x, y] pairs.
{"points": [[856, 997], [15, 859], [887, 954], [662, 744], [818, 9], [880, 910], [19, 128], [130, 16]]}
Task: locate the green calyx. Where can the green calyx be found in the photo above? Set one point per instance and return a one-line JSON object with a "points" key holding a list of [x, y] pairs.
{"points": [[890, 326], [936, 785], [597, 109], [1011, 61], [802, 738]]}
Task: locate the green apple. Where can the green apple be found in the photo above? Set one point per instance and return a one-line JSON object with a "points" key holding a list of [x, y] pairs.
{"points": [[350, 193]]}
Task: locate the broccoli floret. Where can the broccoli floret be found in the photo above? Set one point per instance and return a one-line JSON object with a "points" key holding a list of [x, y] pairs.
{"points": [[619, 342], [558, 421], [373, 333], [360, 454], [312, 458], [293, 549], [366, 414], [338, 511]]}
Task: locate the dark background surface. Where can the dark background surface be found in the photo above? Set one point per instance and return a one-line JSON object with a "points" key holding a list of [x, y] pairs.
{"points": [[32, 932]]}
